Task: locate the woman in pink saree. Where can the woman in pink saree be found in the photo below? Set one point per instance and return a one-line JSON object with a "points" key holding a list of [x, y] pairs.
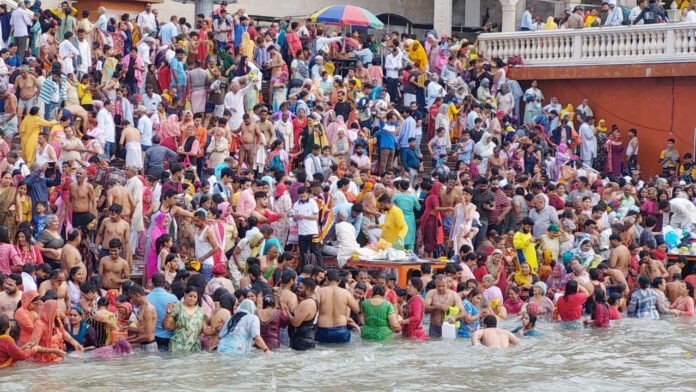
{"points": [[160, 228], [170, 132]]}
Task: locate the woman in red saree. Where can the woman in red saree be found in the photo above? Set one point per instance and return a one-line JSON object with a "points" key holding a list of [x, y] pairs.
{"points": [[432, 113], [431, 221]]}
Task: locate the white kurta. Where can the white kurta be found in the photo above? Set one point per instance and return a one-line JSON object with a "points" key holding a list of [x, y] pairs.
{"points": [[234, 102]]}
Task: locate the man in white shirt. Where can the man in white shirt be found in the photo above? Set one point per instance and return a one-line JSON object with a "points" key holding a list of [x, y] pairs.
{"points": [[527, 19], [67, 52], [690, 14], [615, 15], [146, 20], [145, 128], [306, 213], [393, 64], [105, 122], [312, 163], [150, 99], [85, 49], [20, 22]]}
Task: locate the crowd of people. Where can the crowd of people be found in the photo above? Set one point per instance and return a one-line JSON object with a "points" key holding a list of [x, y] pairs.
{"points": [[608, 14], [254, 169]]}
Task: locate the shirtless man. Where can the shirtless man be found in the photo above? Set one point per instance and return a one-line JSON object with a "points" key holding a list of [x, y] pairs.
{"points": [[493, 337], [83, 200], [118, 194], [303, 319], [335, 304], [447, 202], [620, 255], [114, 228], [615, 276], [288, 298], [676, 268], [249, 131], [113, 269], [28, 86], [437, 302], [8, 120], [56, 283], [147, 320], [10, 295], [71, 256], [653, 268], [131, 134]]}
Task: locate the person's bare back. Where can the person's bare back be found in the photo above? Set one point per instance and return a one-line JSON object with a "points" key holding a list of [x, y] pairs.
{"points": [[333, 306], [620, 259], [118, 194], [130, 134], [494, 338]]}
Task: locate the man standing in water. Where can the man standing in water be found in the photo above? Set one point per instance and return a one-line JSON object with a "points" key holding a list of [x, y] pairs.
{"points": [[10, 295], [303, 320], [620, 255], [147, 320], [437, 302], [334, 305], [493, 337], [160, 298]]}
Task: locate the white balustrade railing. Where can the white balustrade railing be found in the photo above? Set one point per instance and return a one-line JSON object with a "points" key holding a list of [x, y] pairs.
{"points": [[658, 43]]}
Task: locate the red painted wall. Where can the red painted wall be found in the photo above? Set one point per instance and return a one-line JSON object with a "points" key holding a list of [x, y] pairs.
{"points": [[659, 108]]}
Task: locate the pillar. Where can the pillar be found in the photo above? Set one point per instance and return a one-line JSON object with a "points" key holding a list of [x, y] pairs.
{"points": [[205, 7], [472, 13], [509, 15], [442, 16]]}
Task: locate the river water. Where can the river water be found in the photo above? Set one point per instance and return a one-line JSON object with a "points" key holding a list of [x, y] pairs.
{"points": [[633, 355]]}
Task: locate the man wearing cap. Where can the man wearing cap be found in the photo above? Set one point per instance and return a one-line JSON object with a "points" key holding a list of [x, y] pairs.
{"points": [[614, 15], [576, 20]]}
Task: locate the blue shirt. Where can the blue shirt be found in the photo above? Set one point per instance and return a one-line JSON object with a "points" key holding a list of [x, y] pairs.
{"points": [[387, 138], [167, 33], [239, 29], [160, 298], [408, 130], [178, 73], [38, 187]]}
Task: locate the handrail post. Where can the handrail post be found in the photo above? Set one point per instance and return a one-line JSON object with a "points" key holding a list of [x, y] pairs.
{"points": [[577, 47]]}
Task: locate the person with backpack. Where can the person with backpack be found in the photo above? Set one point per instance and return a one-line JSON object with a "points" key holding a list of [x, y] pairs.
{"points": [[615, 14], [651, 14]]}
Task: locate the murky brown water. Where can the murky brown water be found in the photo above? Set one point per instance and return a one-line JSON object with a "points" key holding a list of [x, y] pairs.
{"points": [[633, 355]]}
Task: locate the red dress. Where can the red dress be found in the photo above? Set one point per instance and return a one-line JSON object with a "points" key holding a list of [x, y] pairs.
{"points": [[414, 312]]}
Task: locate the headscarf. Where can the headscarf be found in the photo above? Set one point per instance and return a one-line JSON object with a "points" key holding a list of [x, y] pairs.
{"points": [[542, 286], [416, 53], [246, 307], [602, 125], [27, 298], [170, 127], [521, 279], [255, 241], [123, 319], [434, 196], [159, 229], [556, 283], [48, 317], [111, 296], [82, 330], [242, 68], [247, 47], [367, 187], [550, 24], [280, 189], [224, 215]]}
